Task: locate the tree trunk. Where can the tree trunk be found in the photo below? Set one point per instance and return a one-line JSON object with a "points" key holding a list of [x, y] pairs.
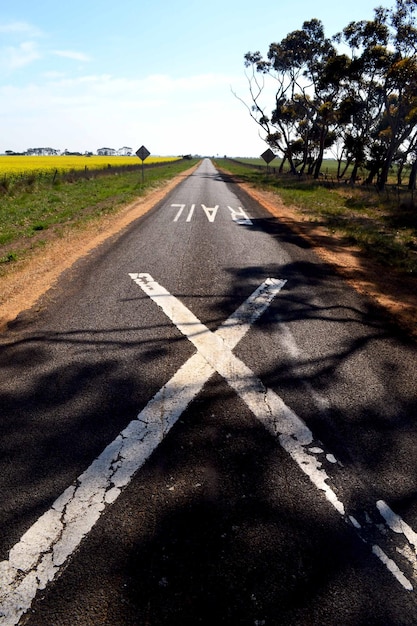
{"points": [[400, 174], [311, 163], [372, 173], [386, 165], [413, 176], [291, 162], [319, 160], [341, 174], [354, 174], [383, 177]]}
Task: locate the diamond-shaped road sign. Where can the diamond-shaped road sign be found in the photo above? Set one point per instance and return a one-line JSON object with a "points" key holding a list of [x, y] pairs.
{"points": [[268, 156], [142, 153]]}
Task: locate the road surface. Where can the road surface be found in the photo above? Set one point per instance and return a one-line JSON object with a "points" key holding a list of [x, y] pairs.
{"points": [[204, 425]]}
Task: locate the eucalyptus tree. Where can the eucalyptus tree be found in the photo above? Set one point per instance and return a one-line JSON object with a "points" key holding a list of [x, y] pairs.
{"points": [[300, 121], [365, 101], [403, 23], [314, 53], [279, 129], [383, 81]]}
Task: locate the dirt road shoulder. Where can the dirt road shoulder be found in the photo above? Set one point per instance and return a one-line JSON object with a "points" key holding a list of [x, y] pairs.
{"points": [[395, 293]]}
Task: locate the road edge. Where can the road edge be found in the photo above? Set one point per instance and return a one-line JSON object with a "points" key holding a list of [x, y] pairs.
{"points": [[22, 289], [387, 289]]}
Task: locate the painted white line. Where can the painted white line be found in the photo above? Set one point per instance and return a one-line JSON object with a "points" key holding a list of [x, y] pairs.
{"points": [[392, 567], [240, 216], [210, 212], [42, 551], [181, 209], [397, 524], [190, 214], [293, 434], [408, 549]]}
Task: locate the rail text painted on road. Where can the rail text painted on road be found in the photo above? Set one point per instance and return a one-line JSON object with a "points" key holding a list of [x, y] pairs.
{"points": [[186, 213]]}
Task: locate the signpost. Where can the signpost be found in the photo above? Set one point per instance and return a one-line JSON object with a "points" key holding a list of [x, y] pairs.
{"points": [[143, 154], [268, 156]]}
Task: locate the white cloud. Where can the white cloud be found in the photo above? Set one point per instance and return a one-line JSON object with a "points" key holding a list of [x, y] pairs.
{"points": [[21, 48], [160, 86], [72, 54], [196, 114], [15, 57], [20, 28], [53, 75]]}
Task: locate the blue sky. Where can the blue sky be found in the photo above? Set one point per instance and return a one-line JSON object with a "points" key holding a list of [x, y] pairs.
{"points": [[86, 74]]}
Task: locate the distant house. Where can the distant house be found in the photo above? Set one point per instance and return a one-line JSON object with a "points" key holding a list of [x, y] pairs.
{"points": [[42, 151], [106, 152], [125, 151]]}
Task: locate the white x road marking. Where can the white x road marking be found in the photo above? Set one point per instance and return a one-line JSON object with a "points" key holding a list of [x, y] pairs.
{"points": [[42, 551]]}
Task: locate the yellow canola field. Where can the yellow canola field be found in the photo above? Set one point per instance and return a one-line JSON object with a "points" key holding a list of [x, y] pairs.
{"points": [[15, 165]]}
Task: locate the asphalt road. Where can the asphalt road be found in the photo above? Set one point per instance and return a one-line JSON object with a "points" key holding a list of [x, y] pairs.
{"points": [[204, 425]]}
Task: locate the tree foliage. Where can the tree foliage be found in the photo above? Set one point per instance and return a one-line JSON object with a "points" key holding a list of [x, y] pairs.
{"points": [[361, 103]]}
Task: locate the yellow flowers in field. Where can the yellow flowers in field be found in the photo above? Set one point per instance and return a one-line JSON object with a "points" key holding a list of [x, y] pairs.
{"points": [[15, 165]]}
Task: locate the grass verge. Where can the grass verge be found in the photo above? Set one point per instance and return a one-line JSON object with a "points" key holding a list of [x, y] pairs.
{"points": [[43, 210], [384, 226]]}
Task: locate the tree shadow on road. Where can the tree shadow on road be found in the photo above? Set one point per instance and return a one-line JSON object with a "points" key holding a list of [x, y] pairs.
{"points": [[220, 526]]}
